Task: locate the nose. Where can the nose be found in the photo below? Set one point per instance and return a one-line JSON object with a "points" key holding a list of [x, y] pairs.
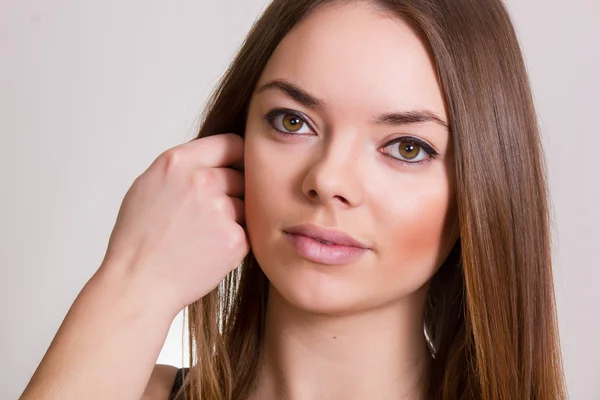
{"points": [[334, 177]]}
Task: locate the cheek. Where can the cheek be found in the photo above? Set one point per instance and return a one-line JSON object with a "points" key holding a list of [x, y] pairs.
{"points": [[267, 188], [418, 231], [257, 194]]}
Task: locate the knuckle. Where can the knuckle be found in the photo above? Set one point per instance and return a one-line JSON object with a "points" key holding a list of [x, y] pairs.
{"points": [[237, 237], [221, 205], [202, 178], [171, 159]]}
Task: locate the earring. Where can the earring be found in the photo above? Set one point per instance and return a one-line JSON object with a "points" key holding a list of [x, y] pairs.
{"points": [[429, 341]]}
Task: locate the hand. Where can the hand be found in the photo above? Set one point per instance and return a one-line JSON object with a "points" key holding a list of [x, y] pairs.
{"points": [[180, 228]]}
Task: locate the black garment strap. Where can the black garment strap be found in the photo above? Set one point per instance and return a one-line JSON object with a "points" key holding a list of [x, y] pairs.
{"points": [[179, 378]]}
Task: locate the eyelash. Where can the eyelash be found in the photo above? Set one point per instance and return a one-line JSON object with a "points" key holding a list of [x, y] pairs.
{"points": [[431, 153]]}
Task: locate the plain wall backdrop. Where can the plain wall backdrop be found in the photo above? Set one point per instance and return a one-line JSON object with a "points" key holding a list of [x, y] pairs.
{"points": [[91, 92]]}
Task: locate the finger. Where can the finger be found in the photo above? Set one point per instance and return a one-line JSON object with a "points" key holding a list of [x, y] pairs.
{"points": [[222, 150], [239, 208], [243, 245], [229, 181], [234, 209]]}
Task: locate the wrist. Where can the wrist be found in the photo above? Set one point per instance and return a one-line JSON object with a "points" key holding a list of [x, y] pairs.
{"points": [[132, 292]]}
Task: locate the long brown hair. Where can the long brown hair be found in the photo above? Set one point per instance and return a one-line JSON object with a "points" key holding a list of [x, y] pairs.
{"points": [[490, 310]]}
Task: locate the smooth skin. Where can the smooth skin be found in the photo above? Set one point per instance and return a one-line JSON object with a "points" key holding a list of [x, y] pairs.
{"points": [[353, 331]]}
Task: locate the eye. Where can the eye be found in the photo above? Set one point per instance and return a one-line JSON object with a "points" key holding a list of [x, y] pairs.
{"points": [[287, 122], [410, 150]]}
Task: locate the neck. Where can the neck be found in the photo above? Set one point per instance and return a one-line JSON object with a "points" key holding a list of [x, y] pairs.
{"points": [[377, 354]]}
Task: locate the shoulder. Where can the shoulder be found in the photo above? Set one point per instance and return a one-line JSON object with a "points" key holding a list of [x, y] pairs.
{"points": [[160, 383]]}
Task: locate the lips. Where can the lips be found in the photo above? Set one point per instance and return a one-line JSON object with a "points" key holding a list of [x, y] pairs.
{"points": [[326, 236]]}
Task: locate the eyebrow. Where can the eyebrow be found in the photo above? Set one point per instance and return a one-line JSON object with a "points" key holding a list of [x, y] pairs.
{"points": [[310, 101]]}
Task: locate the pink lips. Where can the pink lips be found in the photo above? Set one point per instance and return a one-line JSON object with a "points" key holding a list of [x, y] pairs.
{"points": [[338, 248], [326, 235]]}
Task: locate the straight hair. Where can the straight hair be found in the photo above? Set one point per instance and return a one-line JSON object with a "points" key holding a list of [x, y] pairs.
{"points": [[490, 311]]}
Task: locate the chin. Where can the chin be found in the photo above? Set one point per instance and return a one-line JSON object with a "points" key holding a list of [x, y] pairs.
{"points": [[305, 286]]}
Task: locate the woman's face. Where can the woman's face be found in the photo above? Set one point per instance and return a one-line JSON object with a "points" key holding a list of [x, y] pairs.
{"points": [[363, 150]]}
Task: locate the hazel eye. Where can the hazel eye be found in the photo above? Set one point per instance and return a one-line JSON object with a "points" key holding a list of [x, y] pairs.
{"points": [[287, 122], [409, 150], [291, 122]]}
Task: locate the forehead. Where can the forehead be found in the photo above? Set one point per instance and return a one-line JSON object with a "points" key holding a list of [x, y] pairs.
{"points": [[356, 58]]}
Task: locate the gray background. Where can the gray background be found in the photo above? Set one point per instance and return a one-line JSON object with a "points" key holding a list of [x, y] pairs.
{"points": [[92, 91]]}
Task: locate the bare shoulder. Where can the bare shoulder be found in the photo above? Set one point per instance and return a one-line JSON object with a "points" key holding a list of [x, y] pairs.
{"points": [[160, 383]]}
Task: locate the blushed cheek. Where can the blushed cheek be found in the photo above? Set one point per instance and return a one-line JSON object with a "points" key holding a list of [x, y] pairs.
{"points": [[421, 231]]}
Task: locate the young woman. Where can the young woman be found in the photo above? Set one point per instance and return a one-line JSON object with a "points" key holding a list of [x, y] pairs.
{"points": [[377, 166]]}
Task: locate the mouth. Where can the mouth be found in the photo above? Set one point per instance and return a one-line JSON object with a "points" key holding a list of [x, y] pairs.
{"points": [[329, 237], [313, 239], [324, 252], [323, 241]]}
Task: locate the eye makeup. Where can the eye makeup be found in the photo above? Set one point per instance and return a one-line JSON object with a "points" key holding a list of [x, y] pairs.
{"points": [[272, 119]]}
